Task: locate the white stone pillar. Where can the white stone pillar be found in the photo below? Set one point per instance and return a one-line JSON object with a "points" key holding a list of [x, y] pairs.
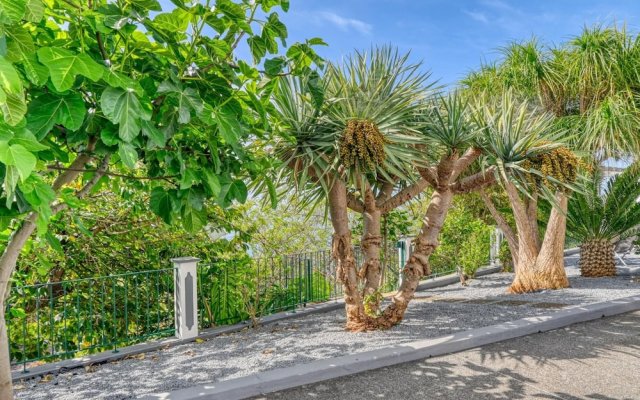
{"points": [[404, 251], [186, 296], [494, 250]]}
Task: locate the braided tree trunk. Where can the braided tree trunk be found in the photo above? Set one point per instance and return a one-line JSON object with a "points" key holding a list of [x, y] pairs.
{"points": [[597, 258], [418, 264], [342, 253]]}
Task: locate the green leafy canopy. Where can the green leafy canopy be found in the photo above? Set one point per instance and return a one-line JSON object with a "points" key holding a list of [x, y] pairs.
{"points": [[153, 95]]}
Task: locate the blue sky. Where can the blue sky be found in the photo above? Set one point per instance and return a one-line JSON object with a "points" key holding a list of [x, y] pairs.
{"points": [[452, 37]]}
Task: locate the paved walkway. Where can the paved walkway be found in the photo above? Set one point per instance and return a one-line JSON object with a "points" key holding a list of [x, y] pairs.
{"points": [[597, 360]]}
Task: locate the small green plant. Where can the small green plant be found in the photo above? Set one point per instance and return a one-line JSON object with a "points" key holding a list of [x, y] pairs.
{"points": [[504, 255], [473, 252], [370, 303], [465, 241]]}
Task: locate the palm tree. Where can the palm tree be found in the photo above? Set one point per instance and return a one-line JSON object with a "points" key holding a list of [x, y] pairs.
{"points": [[598, 219], [377, 141], [526, 148], [356, 151], [589, 85]]}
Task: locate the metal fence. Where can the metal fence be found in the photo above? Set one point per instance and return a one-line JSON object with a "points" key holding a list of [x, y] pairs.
{"points": [[63, 319], [229, 294], [58, 320]]}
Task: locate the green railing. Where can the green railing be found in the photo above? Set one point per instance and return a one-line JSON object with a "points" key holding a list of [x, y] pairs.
{"points": [[229, 294], [57, 320]]}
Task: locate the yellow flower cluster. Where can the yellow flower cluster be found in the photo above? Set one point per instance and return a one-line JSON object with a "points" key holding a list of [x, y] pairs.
{"points": [[362, 143], [560, 164]]}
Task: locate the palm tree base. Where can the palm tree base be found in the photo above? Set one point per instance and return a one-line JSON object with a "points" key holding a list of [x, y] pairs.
{"points": [[597, 258]]}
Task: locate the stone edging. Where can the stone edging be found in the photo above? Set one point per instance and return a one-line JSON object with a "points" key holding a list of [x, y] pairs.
{"points": [[320, 370], [129, 351], [572, 251]]}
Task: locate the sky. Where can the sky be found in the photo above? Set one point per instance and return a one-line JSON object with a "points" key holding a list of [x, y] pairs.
{"points": [[451, 37]]}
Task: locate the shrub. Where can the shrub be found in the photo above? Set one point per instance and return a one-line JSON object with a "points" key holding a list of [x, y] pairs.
{"points": [[465, 241]]}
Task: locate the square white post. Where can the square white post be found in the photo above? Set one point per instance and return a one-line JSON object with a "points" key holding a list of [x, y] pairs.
{"points": [[186, 297], [404, 252]]}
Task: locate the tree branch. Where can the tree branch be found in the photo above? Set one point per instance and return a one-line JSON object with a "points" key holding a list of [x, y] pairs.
{"points": [[71, 173], [474, 182], [429, 175], [354, 203], [151, 178], [464, 162], [509, 233], [385, 192], [404, 195]]}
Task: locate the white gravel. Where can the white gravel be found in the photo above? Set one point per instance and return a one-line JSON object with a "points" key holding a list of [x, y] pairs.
{"points": [[433, 313]]}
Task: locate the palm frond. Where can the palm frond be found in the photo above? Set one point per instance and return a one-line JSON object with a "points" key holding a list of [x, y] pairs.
{"points": [[611, 212]]}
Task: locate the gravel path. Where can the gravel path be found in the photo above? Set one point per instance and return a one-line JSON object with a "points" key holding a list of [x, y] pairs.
{"points": [[433, 313]]}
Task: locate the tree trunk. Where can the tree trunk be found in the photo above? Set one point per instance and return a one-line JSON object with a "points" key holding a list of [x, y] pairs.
{"points": [[16, 243], [342, 253], [544, 269], [532, 213], [418, 264], [509, 234], [370, 269], [7, 266], [597, 258]]}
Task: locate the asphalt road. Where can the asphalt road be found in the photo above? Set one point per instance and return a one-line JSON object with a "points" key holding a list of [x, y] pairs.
{"points": [[597, 360]]}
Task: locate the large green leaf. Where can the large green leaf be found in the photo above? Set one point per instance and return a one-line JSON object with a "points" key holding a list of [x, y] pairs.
{"points": [[13, 108], [9, 79], [238, 191], [19, 43], [211, 183], [175, 21], [228, 126], [18, 156], [34, 70], [154, 134], [49, 109], [188, 100], [161, 203], [34, 11], [128, 154], [123, 107], [13, 10], [25, 138], [37, 192], [64, 66], [11, 178], [193, 220], [116, 79]]}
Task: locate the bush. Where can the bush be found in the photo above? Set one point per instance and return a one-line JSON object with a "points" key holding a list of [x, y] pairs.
{"points": [[465, 241], [505, 257]]}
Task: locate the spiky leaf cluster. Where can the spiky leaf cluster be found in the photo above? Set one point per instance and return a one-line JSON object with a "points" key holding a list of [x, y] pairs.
{"points": [[362, 145]]}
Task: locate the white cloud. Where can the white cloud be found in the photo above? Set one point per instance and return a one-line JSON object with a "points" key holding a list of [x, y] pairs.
{"points": [[347, 24], [478, 16], [499, 5]]}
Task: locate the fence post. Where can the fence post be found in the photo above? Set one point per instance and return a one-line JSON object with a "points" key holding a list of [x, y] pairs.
{"points": [[186, 296], [400, 244], [404, 252], [309, 280], [494, 250]]}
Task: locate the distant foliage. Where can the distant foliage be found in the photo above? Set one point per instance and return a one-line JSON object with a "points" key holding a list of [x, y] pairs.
{"points": [[464, 241]]}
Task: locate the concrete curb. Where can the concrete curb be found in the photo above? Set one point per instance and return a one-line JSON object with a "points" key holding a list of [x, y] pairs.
{"points": [[146, 347], [572, 251], [316, 371]]}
